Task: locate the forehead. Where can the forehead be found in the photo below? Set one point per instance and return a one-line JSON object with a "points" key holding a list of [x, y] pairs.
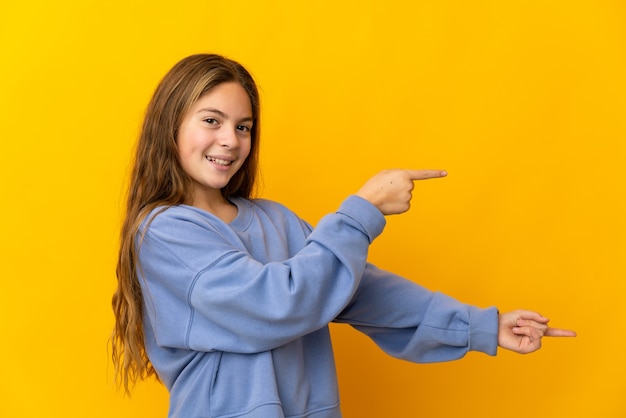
{"points": [[230, 95]]}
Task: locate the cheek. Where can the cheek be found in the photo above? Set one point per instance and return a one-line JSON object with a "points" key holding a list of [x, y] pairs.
{"points": [[248, 148], [187, 145], [182, 152], [186, 154]]}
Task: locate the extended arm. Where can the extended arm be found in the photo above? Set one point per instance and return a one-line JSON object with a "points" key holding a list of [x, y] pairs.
{"points": [[411, 322]]}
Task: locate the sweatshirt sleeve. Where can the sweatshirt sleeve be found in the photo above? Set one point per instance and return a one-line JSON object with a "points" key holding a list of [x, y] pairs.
{"points": [[203, 291], [413, 323]]}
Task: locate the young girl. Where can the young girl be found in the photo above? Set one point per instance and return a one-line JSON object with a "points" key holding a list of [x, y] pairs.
{"points": [[228, 298]]}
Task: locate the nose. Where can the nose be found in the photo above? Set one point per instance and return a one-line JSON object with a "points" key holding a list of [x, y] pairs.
{"points": [[228, 137]]}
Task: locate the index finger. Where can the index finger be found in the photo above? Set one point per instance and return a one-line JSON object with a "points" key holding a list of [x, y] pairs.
{"points": [[558, 332], [426, 174]]}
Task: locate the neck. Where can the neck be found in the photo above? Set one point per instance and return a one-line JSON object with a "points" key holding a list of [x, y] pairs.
{"points": [[217, 205]]}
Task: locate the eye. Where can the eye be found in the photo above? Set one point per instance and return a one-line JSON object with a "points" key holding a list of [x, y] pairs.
{"points": [[211, 121], [244, 128]]}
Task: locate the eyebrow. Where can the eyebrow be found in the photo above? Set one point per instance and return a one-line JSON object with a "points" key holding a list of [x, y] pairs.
{"points": [[224, 115]]}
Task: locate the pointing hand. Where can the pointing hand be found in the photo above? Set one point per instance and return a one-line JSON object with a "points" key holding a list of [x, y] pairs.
{"points": [[390, 190]]}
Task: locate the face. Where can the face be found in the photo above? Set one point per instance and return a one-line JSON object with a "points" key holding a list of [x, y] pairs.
{"points": [[214, 139]]}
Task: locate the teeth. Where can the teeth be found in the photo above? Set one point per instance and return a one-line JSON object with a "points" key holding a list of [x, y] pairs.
{"points": [[218, 161]]}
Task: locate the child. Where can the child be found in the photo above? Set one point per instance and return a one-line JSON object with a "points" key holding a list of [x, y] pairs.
{"points": [[228, 298]]}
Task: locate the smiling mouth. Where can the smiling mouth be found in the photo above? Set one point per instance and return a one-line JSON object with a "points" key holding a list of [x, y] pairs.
{"points": [[219, 161]]}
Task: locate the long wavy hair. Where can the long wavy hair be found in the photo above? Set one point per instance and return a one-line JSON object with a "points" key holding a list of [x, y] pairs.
{"points": [[158, 180]]}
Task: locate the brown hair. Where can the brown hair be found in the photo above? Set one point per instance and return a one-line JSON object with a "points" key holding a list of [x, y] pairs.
{"points": [[157, 179]]}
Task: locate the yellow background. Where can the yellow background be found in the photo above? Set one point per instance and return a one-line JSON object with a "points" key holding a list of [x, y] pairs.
{"points": [[523, 102]]}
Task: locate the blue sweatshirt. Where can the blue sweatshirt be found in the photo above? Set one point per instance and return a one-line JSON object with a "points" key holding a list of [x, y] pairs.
{"points": [[236, 315]]}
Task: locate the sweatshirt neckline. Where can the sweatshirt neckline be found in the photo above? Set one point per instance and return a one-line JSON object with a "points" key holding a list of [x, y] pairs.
{"points": [[244, 213], [242, 220]]}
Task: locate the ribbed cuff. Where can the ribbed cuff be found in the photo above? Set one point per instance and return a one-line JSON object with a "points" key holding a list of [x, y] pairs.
{"points": [[483, 334], [367, 215]]}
